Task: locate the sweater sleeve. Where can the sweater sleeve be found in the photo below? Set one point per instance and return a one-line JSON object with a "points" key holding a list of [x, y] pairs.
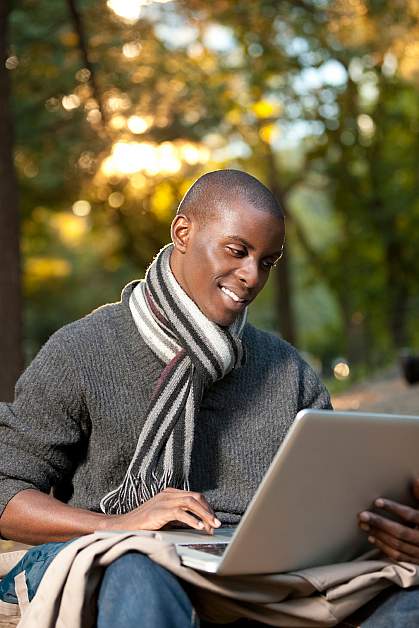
{"points": [[40, 432]]}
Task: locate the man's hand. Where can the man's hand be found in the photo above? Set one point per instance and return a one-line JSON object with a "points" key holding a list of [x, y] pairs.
{"points": [[399, 540], [170, 506]]}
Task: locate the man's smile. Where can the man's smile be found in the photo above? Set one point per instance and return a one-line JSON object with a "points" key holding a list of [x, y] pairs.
{"points": [[233, 297]]}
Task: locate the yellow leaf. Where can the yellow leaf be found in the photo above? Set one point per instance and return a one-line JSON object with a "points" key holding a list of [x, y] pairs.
{"points": [[266, 132], [265, 109]]}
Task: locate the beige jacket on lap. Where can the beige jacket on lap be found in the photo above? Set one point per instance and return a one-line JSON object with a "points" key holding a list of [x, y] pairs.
{"points": [[320, 596]]}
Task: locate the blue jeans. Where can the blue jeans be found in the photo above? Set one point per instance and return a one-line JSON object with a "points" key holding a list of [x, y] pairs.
{"points": [[397, 609], [135, 592]]}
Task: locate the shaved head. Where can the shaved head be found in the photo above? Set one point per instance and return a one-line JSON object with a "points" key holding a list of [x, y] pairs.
{"points": [[211, 193], [227, 236]]}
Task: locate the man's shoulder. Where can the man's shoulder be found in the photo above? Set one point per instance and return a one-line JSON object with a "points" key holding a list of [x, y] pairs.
{"points": [[282, 364]]}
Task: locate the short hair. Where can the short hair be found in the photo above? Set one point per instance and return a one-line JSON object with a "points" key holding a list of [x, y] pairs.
{"points": [[210, 192]]}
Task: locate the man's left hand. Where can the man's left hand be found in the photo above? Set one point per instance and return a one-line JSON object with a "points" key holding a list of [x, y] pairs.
{"points": [[399, 540]]}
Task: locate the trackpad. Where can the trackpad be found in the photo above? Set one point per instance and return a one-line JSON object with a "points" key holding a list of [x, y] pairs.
{"points": [[189, 537]]}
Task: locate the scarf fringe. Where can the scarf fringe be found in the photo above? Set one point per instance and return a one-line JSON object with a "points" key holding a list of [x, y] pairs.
{"points": [[132, 493]]}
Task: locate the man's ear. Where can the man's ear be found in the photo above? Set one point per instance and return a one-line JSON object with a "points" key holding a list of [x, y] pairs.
{"points": [[180, 232]]}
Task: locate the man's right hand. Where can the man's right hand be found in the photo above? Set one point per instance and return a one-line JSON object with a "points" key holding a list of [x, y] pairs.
{"points": [[34, 517], [170, 506]]}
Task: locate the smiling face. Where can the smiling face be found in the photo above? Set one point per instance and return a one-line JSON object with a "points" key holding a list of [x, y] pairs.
{"points": [[224, 263]]}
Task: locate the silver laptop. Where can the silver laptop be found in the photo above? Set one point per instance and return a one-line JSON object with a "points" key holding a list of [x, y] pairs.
{"points": [[330, 466]]}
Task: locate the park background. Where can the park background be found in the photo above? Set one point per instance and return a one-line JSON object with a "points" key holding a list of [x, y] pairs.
{"points": [[110, 110]]}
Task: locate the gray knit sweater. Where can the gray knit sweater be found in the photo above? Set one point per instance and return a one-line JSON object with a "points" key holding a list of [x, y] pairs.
{"points": [[81, 404]]}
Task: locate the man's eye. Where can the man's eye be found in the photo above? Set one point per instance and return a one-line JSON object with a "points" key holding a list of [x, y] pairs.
{"points": [[269, 264], [235, 252]]}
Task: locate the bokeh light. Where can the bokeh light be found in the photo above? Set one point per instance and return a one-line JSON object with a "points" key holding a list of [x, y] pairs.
{"points": [[137, 124], [129, 10], [116, 199], [131, 50], [166, 158], [81, 208], [341, 370], [70, 102]]}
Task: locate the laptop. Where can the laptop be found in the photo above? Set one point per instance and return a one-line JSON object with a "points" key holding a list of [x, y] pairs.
{"points": [[330, 466]]}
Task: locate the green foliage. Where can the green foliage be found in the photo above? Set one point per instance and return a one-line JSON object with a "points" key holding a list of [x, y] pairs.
{"points": [[318, 99]]}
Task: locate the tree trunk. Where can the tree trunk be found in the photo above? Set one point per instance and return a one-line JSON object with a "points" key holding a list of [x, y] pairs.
{"points": [[286, 320], [11, 356], [397, 291]]}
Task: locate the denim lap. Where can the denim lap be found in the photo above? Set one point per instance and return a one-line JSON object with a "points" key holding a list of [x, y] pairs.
{"points": [[399, 610], [34, 563], [136, 592]]}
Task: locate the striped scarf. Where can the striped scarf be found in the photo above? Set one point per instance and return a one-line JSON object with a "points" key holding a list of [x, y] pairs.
{"points": [[196, 352]]}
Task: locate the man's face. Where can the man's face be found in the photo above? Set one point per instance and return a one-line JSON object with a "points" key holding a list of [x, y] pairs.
{"points": [[224, 264]]}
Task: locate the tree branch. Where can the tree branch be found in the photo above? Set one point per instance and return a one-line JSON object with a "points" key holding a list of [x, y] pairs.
{"points": [[79, 28]]}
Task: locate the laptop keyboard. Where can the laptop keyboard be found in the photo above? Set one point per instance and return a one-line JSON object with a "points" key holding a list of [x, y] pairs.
{"points": [[217, 549]]}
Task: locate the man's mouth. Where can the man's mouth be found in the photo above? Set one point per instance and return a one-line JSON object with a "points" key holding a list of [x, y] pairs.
{"points": [[235, 297]]}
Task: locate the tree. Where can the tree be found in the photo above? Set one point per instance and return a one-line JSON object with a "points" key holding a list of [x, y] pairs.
{"points": [[115, 118], [10, 293]]}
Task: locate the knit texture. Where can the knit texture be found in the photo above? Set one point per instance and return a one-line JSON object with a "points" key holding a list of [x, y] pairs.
{"points": [[196, 352], [80, 407]]}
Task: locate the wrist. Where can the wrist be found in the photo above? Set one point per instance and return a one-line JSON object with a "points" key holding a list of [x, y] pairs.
{"points": [[109, 523]]}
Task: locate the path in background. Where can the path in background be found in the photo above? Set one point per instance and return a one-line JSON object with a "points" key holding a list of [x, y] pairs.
{"points": [[387, 393]]}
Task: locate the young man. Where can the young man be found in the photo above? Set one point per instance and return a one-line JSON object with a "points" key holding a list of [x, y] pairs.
{"points": [[164, 407]]}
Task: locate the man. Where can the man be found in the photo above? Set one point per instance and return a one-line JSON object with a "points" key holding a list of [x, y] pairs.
{"points": [[163, 408]]}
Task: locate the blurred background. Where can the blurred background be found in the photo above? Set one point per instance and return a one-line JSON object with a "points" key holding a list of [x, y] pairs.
{"points": [[110, 110]]}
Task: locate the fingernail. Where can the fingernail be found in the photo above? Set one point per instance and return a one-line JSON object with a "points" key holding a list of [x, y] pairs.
{"points": [[364, 526], [217, 522], [364, 516], [371, 539], [200, 525], [379, 502]]}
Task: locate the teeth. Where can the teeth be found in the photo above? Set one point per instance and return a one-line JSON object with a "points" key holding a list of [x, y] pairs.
{"points": [[231, 294]]}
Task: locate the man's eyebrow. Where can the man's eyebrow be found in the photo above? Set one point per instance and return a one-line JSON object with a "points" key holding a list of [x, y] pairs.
{"points": [[250, 246], [242, 240]]}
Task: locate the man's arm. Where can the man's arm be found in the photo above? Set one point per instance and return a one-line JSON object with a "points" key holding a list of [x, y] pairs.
{"points": [[41, 437], [399, 540], [34, 517]]}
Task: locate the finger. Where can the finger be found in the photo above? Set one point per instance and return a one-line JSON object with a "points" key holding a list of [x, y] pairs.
{"points": [[170, 489], [415, 488], [206, 513], [179, 514], [406, 513], [392, 553], [371, 522], [193, 505], [195, 500], [402, 547], [201, 498], [197, 496]]}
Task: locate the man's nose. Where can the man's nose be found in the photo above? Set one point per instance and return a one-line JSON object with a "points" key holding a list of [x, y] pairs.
{"points": [[249, 273]]}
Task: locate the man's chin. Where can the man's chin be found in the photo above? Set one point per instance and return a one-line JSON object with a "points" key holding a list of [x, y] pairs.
{"points": [[225, 320]]}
